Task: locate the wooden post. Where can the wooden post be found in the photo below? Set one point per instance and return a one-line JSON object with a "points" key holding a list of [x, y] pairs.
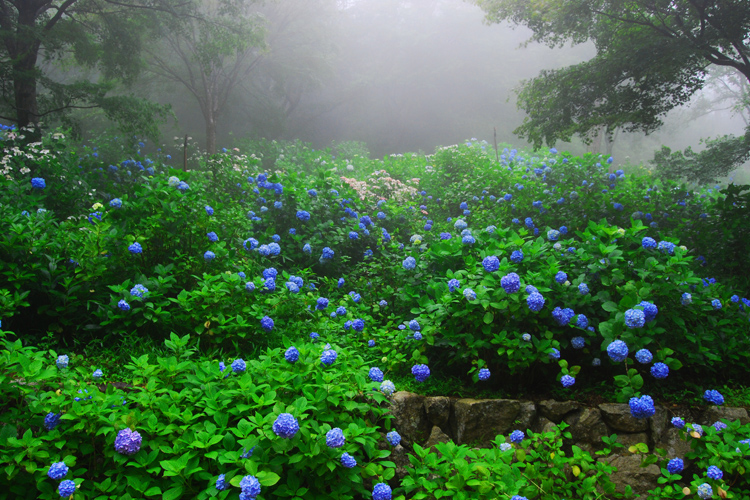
{"points": [[184, 154], [497, 155]]}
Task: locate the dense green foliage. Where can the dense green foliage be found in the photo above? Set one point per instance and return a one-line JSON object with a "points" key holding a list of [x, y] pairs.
{"points": [[366, 249], [651, 57]]}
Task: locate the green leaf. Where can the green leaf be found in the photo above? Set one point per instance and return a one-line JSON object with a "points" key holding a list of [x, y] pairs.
{"points": [[488, 317], [173, 494], [268, 478]]}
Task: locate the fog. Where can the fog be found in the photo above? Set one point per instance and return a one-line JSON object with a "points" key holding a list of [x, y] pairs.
{"points": [[403, 76]]}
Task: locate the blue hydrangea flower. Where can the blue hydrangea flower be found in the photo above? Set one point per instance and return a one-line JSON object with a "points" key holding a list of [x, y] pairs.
{"points": [[713, 397], [469, 294], [238, 365], [516, 256], [98, 374], [468, 240], [221, 484], [553, 235], [266, 323], [358, 324], [138, 290], [561, 277], [650, 310], [387, 387], [660, 370], [375, 374], [409, 263], [414, 325], [420, 372], [66, 488], [511, 283], [686, 299], [642, 407], [617, 351], [554, 354], [666, 247], [678, 422], [535, 301], [209, 255], [128, 442], [348, 461], [321, 304], [250, 486], [582, 321], [291, 354], [38, 183], [567, 381], [135, 248], [714, 472], [57, 470], [335, 438], [274, 249], [644, 356], [648, 243], [327, 253], [578, 342], [328, 357], [491, 264], [115, 203], [123, 305], [563, 316], [705, 491], [453, 285], [62, 361], [719, 426], [516, 436], [383, 304], [675, 466], [381, 491], [716, 304], [484, 374], [285, 426], [635, 318], [394, 438], [51, 420], [583, 289], [212, 237]]}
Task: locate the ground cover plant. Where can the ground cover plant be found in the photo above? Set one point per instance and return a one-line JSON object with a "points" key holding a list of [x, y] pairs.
{"points": [[286, 293]]}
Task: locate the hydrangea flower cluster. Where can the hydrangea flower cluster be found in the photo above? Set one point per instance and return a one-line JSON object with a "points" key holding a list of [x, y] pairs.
{"points": [[394, 438], [335, 438], [250, 486], [511, 282], [617, 351], [285, 426], [713, 397], [128, 442], [375, 374], [642, 407], [328, 357], [420, 372], [484, 374], [635, 318]]}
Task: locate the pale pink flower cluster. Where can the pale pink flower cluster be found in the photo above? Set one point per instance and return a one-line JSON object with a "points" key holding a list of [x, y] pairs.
{"points": [[381, 186]]}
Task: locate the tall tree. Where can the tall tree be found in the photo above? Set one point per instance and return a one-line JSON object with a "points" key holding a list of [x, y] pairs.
{"points": [[210, 55], [652, 56], [104, 35]]}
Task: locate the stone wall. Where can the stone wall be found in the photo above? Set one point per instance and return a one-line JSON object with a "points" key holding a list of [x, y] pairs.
{"points": [[427, 420]]}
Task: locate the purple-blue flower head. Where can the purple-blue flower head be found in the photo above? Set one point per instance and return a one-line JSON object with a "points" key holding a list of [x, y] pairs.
{"points": [[328, 357], [642, 407], [128, 442], [291, 355], [420, 372], [335, 438], [617, 351], [491, 264], [511, 283], [285, 426]]}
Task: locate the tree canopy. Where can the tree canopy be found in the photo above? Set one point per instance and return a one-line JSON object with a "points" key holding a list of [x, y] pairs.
{"points": [[651, 56], [104, 37]]}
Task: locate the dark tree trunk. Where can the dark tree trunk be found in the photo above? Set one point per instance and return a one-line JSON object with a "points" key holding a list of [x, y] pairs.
{"points": [[210, 133], [23, 48], [24, 87]]}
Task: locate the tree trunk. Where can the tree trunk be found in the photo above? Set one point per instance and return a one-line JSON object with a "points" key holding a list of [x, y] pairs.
{"points": [[23, 49], [211, 133]]}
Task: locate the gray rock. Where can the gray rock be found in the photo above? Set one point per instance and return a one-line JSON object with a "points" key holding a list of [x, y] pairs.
{"points": [[480, 420], [587, 427], [556, 410], [674, 446], [658, 425], [715, 413], [618, 417], [410, 419], [629, 440], [527, 416], [630, 472], [543, 425], [438, 410], [436, 436]]}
